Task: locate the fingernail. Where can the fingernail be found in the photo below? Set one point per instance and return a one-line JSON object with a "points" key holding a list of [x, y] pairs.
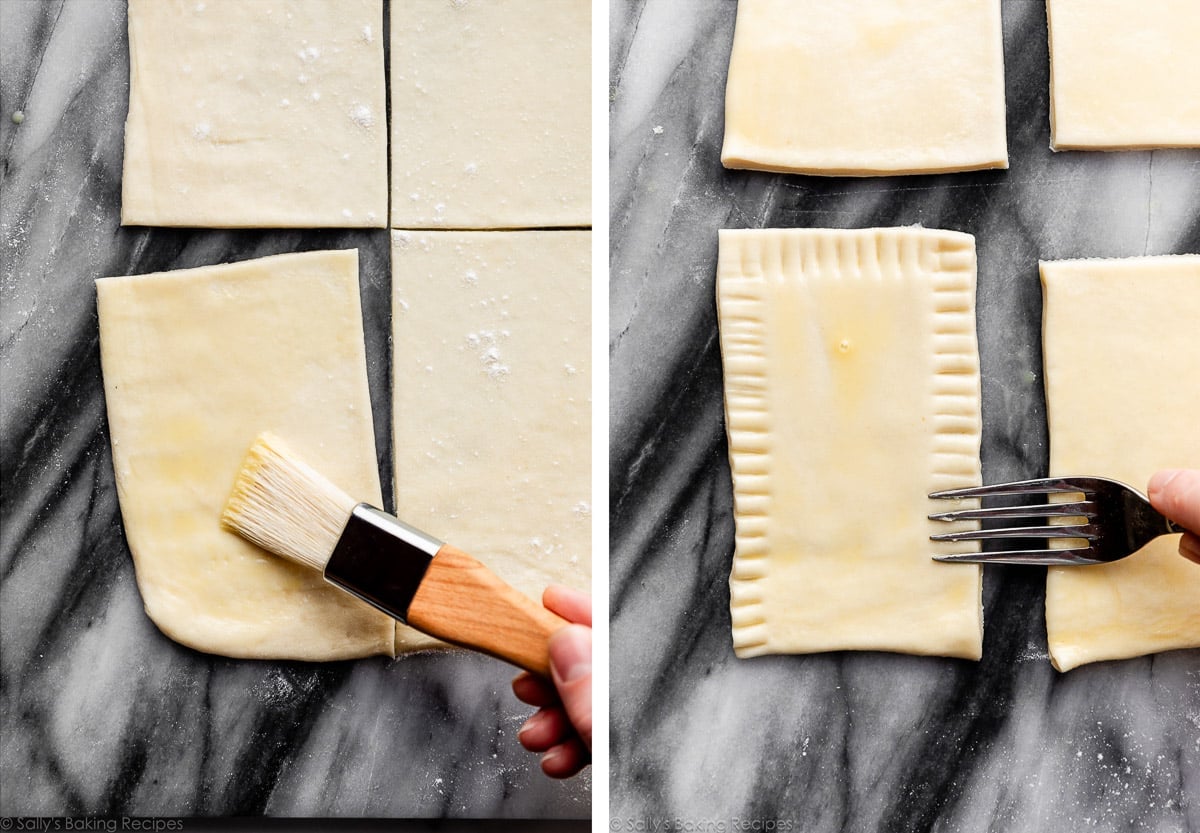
{"points": [[531, 723], [552, 755], [571, 653], [1161, 480]]}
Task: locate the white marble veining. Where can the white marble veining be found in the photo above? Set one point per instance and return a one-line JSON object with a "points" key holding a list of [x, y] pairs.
{"points": [[856, 741], [100, 713]]}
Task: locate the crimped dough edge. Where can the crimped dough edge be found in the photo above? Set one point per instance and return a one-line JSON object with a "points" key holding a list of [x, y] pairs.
{"points": [[955, 385]]}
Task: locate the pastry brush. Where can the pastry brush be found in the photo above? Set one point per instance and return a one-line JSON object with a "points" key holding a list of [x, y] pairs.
{"points": [[287, 507]]}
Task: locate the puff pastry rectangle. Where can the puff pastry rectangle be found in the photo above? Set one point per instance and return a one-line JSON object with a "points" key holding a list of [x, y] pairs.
{"points": [[268, 113], [1124, 75], [492, 402], [866, 87], [1122, 400], [197, 363], [851, 392], [491, 109]]}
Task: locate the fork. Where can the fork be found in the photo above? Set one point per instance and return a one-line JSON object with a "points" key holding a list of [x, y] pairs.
{"points": [[1117, 521]]}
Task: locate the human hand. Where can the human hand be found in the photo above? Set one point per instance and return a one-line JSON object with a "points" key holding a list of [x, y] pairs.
{"points": [[1176, 494], [561, 728]]}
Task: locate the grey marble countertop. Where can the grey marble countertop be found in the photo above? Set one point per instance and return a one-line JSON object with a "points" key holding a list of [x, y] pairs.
{"points": [[101, 713], [856, 741]]}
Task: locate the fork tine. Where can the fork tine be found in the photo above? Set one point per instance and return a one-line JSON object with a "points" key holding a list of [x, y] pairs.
{"points": [[1077, 555], [1042, 485], [1087, 531], [1084, 508]]}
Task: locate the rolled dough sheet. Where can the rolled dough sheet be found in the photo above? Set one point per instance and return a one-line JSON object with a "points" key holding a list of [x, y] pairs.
{"points": [[255, 114], [851, 392], [196, 363], [1121, 395], [868, 87], [492, 397], [491, 106], [1124, 75]]}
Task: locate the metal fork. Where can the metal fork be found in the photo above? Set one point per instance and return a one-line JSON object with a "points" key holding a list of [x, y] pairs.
{"points": [[1117, 521]]}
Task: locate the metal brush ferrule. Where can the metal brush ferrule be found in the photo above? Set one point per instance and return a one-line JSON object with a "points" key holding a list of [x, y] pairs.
{"points": [[381, 560]]}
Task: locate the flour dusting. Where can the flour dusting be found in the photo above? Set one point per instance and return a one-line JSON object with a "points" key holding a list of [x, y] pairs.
{"points": [[487, 343], [361, 115]]}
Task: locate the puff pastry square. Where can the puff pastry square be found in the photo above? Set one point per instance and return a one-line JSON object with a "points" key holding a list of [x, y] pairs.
{"points": [[492, 402], [1124, 75], [268, 113], [197, 363], [851, 392], [866, 87], [491, 109], [1121, 396]]}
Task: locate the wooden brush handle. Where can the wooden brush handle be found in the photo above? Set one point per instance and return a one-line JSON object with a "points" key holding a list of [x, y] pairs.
{"points": [[464, 603]]}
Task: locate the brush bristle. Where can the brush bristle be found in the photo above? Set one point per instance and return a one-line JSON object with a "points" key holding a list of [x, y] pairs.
{"points": [[285, 506]]}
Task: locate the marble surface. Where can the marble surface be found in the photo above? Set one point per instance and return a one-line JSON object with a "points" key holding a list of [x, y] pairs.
{"points": [[845, 741], [100, 712]]}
